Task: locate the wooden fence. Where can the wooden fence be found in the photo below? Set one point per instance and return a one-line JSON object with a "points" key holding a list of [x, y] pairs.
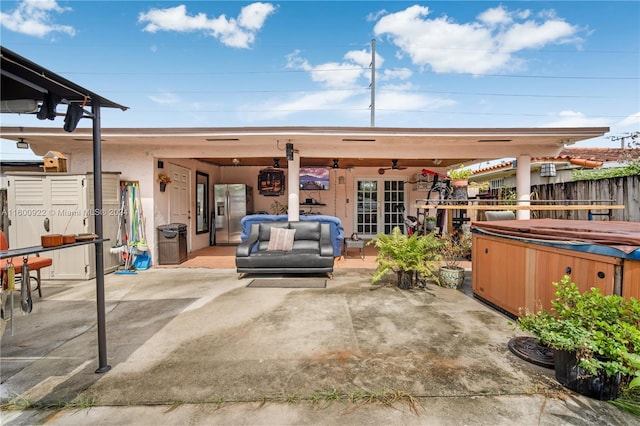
{"points": [[620, 190]]}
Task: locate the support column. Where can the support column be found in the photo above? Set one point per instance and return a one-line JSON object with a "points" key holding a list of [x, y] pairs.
{"points": [[523, 186], [103, 365], [293, 180]]}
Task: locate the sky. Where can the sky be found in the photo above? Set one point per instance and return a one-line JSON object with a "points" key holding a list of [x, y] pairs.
{"points": [[309, 63]]}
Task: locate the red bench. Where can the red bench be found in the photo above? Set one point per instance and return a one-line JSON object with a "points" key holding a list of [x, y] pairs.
{"points": [[35, 263]]}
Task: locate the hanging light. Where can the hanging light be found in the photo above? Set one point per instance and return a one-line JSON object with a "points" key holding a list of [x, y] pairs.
{"points": [[22, 144], [276, 163], [335, 163]]}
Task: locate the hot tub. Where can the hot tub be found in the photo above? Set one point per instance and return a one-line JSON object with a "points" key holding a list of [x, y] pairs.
{"points": [[515, 262]]}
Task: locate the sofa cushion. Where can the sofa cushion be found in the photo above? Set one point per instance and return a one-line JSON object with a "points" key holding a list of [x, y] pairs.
{"points": [[264, 233], [306, 230], [281, 239]]}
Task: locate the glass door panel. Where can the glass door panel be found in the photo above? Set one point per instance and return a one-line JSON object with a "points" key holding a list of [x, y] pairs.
{"points": [[394, 205], [367, 208], [380, 206]]}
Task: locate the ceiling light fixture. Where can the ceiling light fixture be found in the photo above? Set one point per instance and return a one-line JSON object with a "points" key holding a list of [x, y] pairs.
{"points": [[437, 161], [235, 161], [335, 163], [276, 163], [22, 144]]}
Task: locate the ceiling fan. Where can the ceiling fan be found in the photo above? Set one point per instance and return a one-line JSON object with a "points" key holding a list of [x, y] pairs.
{"points": [[394, 166]]}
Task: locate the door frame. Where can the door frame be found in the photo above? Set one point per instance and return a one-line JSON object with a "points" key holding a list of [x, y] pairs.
{"points": [[186, 186], [380, 219]]}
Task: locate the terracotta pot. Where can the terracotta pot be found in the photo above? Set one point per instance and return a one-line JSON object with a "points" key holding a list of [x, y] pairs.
{"points": [[458, 183], [68, 239], [51, 240]]}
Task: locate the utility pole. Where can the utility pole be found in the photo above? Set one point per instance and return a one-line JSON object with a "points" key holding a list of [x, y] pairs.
{"points": [[373, 83], [633, 137]]}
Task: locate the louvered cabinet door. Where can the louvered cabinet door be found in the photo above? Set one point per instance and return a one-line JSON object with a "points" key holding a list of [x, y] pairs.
{"points": [[61, 203]]}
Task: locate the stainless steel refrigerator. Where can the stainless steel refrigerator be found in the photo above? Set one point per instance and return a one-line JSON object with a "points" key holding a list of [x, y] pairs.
{"points": [[232, 203]]}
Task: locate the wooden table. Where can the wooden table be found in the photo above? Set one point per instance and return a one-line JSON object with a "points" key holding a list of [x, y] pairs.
{"points": [[503, 207]]}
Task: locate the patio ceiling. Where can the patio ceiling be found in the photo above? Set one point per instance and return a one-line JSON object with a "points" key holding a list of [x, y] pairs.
{"points": [[319, 146]]}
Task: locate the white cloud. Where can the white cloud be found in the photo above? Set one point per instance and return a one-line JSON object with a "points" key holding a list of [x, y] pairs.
{"points": [[35, 18], [335, 75], [396, 74], [576, 119], [327, 100], [232, 32], [165, 98], [630, 121], [482, 46], [253, 16], [372, 17], [531, 35], [351, 73], [496, 16], [402, 98]]}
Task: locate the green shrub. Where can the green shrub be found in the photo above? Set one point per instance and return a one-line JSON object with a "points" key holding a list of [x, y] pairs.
{"points": [[399, 252], [602, 330]]}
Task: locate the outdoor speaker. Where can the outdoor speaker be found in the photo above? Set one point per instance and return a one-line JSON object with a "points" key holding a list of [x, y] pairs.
{"points": [[289, 151]]}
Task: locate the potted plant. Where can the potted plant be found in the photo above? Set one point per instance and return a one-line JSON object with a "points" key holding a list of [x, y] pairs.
{"points": [[460, 176], [454, 247], [408, 256], [592, 337], [430, 222], [164, 180], [459, 182]]}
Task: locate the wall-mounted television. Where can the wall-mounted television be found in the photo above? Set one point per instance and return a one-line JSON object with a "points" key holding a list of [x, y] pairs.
{"points": [[314, 179]]}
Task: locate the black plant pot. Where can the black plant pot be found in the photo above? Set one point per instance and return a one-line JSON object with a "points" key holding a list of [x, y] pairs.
{"points": [[405, 280], [571, 376]]}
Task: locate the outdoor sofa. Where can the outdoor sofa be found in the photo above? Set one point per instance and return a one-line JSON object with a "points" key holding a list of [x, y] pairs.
{"points": [[337, 232], [300, 247]]}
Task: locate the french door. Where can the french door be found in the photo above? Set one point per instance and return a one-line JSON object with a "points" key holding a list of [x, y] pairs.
{"points": [[380, 206]]}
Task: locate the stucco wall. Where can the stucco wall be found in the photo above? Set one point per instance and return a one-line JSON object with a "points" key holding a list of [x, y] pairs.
{"points": [[142, 166], [338, 199]]}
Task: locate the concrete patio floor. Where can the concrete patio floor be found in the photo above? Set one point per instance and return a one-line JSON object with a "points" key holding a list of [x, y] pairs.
{"points": [[194, 345]]}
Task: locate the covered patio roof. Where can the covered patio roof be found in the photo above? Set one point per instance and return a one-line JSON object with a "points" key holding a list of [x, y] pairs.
{"points": [[25, 83], [318, 146]]}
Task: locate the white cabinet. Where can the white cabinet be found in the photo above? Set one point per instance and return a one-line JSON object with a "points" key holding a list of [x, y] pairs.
{"points": [[63, 203]]}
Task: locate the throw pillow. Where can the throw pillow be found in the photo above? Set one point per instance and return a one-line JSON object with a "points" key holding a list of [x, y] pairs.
{"points": [[281, 239]]}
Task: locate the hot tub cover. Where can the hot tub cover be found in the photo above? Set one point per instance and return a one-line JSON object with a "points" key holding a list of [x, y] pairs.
{"points": [[622, 236]]}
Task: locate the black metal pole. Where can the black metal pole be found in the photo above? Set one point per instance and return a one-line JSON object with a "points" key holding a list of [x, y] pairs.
{"points": [[103, 367]]}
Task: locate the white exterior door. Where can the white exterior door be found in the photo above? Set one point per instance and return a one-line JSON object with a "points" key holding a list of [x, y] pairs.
{"points": [[380, 206], [180, 197]]}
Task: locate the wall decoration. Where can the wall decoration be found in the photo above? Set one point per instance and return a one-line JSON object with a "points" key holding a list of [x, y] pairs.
{"points": [[314, 178], [271, 182]]}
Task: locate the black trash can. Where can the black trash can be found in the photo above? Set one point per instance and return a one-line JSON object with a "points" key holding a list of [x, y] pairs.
{"points": [[172, 244]]}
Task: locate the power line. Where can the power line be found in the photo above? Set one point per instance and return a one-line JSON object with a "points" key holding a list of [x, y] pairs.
{"points": [[509, 114], [331, 70], [362, 89]]}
